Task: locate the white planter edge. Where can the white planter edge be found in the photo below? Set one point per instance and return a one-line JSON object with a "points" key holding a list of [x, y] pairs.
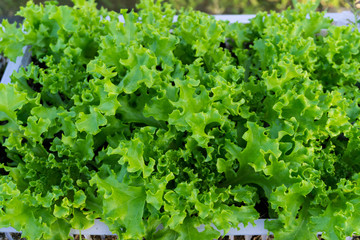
{"points": [[21, 61], [100, 228]]}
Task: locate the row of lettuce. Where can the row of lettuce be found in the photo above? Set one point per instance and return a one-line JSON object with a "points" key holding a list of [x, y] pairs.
{"points": [[180, 123], [8, 8]]}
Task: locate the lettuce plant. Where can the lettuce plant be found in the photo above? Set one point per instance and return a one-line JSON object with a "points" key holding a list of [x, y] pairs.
{"points": [[180, 124]]}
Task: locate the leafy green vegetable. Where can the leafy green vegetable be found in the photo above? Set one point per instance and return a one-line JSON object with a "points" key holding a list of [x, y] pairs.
{"points": [[181, 124]]}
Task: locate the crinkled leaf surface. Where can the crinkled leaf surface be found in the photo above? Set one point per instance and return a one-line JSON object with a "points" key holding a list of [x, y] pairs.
{"points": [[183, 124]]}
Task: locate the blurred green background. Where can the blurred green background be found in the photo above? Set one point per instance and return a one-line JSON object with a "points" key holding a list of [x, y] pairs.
{"points": [[9, 7]]}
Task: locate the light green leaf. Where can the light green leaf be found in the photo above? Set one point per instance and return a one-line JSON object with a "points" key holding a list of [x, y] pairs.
{"points": [[122, 204], [188, 230], [258, 144], [11, 100], [90, 123], [81, 221]]}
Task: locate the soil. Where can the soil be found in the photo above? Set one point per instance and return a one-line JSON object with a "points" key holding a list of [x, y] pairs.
{"points": [[15, 236], [243, 238], [3, 63], [97, 237]]}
